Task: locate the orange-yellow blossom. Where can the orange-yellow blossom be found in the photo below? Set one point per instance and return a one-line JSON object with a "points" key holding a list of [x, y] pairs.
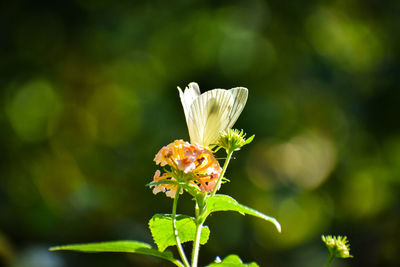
{"points": [[196, 164]]}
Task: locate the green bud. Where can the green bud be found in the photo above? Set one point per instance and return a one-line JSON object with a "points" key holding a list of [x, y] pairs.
{"points": [[337, 246], [233, 140]]}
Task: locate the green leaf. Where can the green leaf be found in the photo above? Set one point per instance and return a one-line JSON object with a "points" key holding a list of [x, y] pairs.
{"points": [[163, 235], [249, 140], [233, 261], [227, 203], [120, 246], [190, 188], [162, 182]]}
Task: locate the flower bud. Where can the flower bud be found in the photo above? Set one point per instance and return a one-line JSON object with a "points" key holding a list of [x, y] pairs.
{"points": [[233, 140], [337, 246]]}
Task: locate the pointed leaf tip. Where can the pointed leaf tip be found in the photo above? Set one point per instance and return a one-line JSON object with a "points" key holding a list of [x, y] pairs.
{"points": [[119, 246], [221, 202]]}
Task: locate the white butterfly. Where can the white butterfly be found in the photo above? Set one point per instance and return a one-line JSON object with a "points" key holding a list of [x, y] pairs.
{"points": [[211, 112]]}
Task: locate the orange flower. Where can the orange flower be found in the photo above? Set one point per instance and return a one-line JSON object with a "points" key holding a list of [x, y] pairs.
{"points": [[190, 163], [168, 189]]}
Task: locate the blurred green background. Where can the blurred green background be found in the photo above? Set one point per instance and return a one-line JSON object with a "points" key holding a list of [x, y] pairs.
{"points": [[88, 96]]}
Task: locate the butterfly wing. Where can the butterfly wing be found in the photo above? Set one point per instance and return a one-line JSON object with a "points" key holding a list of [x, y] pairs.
{"points": [[188, 96], [213, 112], [240, 98]]}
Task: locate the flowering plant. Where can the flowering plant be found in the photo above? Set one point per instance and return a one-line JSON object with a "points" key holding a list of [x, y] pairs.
{"points": [[193, 168]]}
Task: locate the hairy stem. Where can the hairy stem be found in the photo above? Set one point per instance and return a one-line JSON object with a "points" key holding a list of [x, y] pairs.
{"points": [[178, 242]]}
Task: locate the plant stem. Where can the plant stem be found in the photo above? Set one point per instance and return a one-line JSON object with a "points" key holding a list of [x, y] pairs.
{"points": [[177, 263], [218, 184], [175, 231], [200, 216], [196, 244], [329, 261]]}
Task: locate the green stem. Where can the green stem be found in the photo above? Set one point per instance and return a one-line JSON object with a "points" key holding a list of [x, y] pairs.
{"points": [[200, 218], [178, 242], [177, 263], [218, 184], [196, 244], [329, 261]]}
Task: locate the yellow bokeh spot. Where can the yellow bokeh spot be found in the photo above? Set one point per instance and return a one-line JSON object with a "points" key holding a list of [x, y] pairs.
{"points": [[301, 217], [306, 161]]}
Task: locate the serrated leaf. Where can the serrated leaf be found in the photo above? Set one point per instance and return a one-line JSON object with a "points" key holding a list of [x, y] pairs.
{"points": [[227, 203], [119, 246], [232, 261], [163, 235]]}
